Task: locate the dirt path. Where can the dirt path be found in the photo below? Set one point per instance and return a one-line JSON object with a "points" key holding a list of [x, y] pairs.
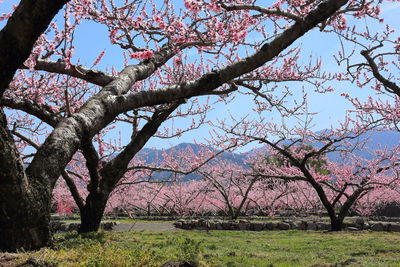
{"points": [[158, 226]]}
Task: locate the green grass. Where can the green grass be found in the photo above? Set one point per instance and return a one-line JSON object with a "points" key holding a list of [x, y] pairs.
{"points": [[224, 248]]}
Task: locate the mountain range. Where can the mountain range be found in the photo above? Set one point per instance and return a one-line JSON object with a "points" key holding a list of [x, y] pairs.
{"points": [[374, 140]]}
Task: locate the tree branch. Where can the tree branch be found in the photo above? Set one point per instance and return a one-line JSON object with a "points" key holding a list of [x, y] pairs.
{"points": [[93, 76], [92, 163], [44, 113], [391, 87], [18, 37], [73, 189], [276, 12], [102, 109], [114, 170]]}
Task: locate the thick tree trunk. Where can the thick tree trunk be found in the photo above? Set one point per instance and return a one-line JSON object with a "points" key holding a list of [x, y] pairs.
{"points": [[92, 212], [336, 224], [24, 221], [336, 221], [232, 212], [24, 204]]}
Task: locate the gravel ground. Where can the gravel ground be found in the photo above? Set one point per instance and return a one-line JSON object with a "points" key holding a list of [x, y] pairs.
{"points": [[159, 226]]}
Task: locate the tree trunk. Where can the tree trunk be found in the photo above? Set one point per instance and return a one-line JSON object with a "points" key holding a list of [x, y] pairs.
{"points": [[24, 221], [336, 224], [24, 203], [92, 212], [233, 212], [336, 221], [148, 209]]}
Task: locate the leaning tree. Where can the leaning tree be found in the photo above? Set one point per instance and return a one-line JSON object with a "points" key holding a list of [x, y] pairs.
{"points": [[76, 102]]}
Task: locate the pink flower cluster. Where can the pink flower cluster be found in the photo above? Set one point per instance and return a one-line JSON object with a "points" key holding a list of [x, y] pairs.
{"points": [[194, 5], [143, 55], [4, 16]]}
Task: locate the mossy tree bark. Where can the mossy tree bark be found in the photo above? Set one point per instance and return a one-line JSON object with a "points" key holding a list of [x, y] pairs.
{"points": [[24, 203]]}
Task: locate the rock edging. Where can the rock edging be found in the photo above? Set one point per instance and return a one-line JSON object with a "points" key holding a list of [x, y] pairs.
{"points": [[244, 225], [58, 227]]}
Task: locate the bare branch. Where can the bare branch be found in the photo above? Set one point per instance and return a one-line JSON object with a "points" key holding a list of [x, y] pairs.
{"points": [[391, 87], [93, 76], [73, 189]]}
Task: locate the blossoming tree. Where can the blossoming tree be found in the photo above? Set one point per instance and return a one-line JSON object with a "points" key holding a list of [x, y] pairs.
{"points": [[78, 102], [302, 156]]}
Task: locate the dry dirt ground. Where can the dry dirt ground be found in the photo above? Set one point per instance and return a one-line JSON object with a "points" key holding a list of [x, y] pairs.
{"points": [[157, 226]]}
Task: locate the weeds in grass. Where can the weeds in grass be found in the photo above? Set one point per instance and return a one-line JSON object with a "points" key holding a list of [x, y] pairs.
{"points": [[73, 239], [189, 249], [222, 248]]}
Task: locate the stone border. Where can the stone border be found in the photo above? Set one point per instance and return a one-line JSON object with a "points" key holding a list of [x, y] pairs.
{"points": [[245, 225], [59, 227]]}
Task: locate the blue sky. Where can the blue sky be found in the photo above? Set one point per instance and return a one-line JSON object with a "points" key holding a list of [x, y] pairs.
{"points": [[92, 38]]}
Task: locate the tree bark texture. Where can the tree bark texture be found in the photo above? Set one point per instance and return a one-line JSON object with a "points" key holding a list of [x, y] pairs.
{"points": [[24, 201], [92, 212], [24, 205]]}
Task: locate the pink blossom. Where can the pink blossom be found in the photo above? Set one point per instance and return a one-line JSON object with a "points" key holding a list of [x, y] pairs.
{"points": [[142, 55]]}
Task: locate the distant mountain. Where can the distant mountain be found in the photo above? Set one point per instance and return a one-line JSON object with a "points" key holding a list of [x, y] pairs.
{"points": [[155, 156], [152, 155], [374, 140]]}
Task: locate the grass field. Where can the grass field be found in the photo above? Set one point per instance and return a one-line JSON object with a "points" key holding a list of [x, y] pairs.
{"points": [[223, 248]]}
